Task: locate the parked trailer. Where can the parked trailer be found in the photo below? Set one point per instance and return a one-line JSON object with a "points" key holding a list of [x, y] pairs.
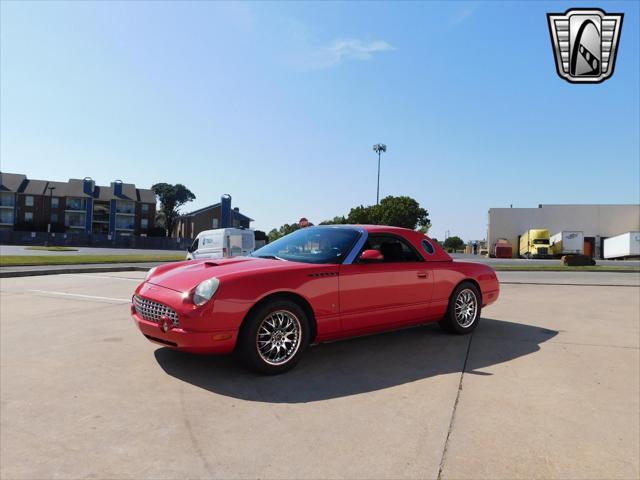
{"points": [[622, 246], [567, 243], [502, 249]]}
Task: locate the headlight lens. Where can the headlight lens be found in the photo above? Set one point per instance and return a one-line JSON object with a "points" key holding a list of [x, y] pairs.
{"points": [[150, 272], [205, 290]]}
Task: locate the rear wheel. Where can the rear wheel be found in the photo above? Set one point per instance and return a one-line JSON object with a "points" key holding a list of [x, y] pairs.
{"points": [[274, 337], [464, 309]]}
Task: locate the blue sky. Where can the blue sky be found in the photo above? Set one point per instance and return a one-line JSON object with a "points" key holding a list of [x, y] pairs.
{"points": [[279, 104]]}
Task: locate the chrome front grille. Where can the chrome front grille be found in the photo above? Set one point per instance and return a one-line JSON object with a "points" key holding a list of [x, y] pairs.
{"points": [[543, 251], [152, 311]]}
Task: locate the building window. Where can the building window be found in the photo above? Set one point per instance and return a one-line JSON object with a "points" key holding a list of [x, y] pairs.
{"points": [[6, 216], [125, 223], [144, 223], [28, 201], [75, 203], [55, 202], [28, 216], [125, 206], [54, 217], [214, 223], [75, 219], [7, 199], [236, 223], [145, 208]]}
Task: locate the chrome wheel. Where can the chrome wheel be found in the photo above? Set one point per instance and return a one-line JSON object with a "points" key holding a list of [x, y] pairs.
{"points": [[466, 308], [279, 337]]}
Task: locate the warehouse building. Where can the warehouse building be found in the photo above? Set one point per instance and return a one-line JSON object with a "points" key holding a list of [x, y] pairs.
{"points": [[597, 222]]}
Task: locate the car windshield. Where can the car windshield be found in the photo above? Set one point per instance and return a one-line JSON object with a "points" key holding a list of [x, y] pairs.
{"points": [[541, 242], [311, 245]]}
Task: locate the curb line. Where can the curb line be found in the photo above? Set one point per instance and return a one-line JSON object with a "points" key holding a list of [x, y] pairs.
{"points": [[60, 271], [603, 270]]}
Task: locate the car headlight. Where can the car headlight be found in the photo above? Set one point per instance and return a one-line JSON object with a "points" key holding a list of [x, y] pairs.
{"points": [[150, 272], [205, 290]]}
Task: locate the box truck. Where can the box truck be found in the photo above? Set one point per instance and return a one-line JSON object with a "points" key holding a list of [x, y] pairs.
{"points": [[567, 243], [534, 243], [622, 246]]}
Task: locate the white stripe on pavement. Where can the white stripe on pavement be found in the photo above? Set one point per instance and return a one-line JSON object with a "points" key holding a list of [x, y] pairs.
{"points": [[86, 275], [78, 295]]}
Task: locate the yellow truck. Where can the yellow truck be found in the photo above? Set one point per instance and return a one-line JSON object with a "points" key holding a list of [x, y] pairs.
{"points": [[534, 243]]}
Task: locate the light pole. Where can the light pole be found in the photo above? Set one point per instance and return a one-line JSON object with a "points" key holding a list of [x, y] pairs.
{"points": [[51, 189], [379, 148]]}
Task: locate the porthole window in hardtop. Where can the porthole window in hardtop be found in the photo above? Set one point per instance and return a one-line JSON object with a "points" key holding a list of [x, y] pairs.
{"points": [[426, 244]]}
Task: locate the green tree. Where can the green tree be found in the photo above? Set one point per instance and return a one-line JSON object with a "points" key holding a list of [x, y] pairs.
{"points": [[453, 243], [171, 198], [341, 220], [285, 229], [400, 211]]}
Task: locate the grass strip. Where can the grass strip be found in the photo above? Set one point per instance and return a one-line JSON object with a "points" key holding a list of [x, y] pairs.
{"points": [[32, 260], [53, 249]]}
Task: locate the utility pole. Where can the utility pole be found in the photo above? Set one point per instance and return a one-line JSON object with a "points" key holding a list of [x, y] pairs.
{"points": [[379, 148]]}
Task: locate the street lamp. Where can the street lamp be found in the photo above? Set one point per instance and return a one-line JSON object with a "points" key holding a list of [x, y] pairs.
{"points": [[379, 148]]}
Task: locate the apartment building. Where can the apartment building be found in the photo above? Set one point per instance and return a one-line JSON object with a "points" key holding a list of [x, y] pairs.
{"points": [[77, 205]]}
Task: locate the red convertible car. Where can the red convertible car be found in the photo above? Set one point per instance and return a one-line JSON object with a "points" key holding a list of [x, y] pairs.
{"points": [[314, 285]]}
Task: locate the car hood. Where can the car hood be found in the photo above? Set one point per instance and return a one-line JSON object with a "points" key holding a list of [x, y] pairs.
{"points": [[188, 275]]}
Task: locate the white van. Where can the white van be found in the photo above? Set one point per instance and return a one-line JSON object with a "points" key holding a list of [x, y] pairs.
{"points": [[222, 243]]}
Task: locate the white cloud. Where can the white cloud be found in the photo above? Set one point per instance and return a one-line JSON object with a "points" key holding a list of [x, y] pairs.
{"points": [[461, 15], [356, 49], [310, 57]]}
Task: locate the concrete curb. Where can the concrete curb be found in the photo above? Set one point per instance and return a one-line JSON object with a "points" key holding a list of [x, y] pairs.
{"points": [[59, 271]]}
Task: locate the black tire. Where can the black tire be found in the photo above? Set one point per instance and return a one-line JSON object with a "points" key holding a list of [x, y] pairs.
{"points": [[457, 324], [249, 340]]}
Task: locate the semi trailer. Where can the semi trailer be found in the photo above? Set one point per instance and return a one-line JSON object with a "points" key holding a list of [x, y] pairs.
{"points": [[567, 243], [622, 246]]}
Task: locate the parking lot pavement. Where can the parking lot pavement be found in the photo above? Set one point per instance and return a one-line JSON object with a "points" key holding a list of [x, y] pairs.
{"points": [[547, 387], [536, 261], [608, 279]]}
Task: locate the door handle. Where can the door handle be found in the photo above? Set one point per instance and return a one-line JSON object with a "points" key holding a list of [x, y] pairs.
{"points": [[423, 274]]}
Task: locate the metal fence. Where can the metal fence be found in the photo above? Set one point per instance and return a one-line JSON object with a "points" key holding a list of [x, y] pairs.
{"points": [[83, 239]]}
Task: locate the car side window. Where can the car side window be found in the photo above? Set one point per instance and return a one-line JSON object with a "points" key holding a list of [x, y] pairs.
{"points": [[392, 248], [194, 245]]}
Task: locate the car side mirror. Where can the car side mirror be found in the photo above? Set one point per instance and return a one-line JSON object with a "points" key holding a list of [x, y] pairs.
{"points": [[371, 256]]}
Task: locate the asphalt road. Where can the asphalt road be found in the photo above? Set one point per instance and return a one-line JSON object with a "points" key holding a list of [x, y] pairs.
{"points": [[22, 250], [547, 387]]}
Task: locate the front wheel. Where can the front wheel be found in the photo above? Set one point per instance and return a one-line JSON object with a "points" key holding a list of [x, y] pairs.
{"points": [[463, 313], [274, 337]]}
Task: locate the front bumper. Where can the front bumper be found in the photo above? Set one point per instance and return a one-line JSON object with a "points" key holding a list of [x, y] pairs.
{"points": [[191, 331], [214, 342]]}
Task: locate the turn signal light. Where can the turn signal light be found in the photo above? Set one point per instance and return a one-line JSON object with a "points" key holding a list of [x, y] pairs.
{"points": [[221, 336]]}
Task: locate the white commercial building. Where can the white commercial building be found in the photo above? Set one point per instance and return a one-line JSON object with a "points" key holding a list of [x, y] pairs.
{"points": [[597, 222]]}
